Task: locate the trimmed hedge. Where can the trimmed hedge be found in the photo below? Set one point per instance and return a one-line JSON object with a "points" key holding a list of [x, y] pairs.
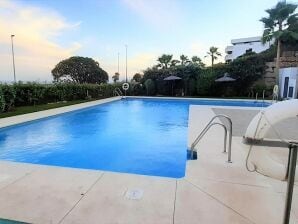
{"points": [[23, 94], [2, 101]]}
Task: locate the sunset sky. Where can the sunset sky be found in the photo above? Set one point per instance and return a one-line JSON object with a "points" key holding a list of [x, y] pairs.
{"points": [[47, 32]]}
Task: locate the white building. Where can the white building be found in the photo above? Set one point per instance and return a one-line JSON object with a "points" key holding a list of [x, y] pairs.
{"points": [[244, 45]]}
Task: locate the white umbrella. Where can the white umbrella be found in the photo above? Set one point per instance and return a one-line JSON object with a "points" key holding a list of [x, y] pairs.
{"points": [[225, 78], [172, 78]]}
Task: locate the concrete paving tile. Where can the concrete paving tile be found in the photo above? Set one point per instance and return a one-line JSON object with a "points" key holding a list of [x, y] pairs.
{"points": [[12, 171], [194, 206], [260, 205], [46, 195], [108, 201], [212, 164]]}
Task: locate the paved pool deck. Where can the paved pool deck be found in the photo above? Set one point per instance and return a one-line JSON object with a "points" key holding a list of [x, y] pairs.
{"points": [[213, 191]]}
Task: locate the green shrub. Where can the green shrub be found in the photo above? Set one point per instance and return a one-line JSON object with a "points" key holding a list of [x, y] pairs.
{"points": [[29, 93], [9, 95], [22, 94], [192, 87], [247, 69], [205, 82], [150, 87], [2, 101], [137, 89]]}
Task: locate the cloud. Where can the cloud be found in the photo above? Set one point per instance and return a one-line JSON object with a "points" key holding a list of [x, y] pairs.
{"points": [[140, 62], [36, 50], [163, 14]]}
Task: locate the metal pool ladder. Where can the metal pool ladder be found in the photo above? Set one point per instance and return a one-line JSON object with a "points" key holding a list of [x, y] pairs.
{"points": [[205, 130], [117, 92]]}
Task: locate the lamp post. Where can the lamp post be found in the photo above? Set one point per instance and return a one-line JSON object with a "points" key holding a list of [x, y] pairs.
{"points": [[13, 63], [126, 62], [118, 63]]}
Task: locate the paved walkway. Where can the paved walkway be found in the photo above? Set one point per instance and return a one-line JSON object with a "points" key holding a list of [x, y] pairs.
{"points": [[241, 119]]}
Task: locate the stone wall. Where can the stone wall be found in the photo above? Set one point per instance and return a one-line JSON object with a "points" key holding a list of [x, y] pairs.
{"points": [[269, 76], [288, 59]]}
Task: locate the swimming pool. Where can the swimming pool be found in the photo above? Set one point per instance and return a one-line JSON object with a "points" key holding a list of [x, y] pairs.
{"points": [[141, 136]]}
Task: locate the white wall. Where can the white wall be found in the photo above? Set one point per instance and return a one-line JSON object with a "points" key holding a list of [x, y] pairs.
{"points": [[240, 49], [240, 46]]}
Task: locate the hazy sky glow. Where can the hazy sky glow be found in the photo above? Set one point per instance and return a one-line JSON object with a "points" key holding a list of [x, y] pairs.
{"points": [[48, 31]]}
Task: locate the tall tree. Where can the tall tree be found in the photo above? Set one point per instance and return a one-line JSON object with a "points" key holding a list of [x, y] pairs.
{"points": [[80, 70], [137, 77], [165, 60], [116, 77], [213, 53], [198, 61], [281, 23], [174, 63], [184, 59]]}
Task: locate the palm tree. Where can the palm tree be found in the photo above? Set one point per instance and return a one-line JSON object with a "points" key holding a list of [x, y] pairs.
{"points": [[279, 25], [116, 77], [198, 61], [165, 60], [184, 59], [213, 53], [174, 63]]}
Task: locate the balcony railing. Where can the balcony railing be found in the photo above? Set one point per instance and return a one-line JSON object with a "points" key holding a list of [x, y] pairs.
{"points": [[229, 49], [228, 57]]}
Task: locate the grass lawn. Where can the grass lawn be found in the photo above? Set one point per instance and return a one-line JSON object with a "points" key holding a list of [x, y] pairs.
{"points": [[30, 109]]}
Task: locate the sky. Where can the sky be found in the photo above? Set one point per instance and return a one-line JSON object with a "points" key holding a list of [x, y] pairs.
{"points": [[48, 31]]}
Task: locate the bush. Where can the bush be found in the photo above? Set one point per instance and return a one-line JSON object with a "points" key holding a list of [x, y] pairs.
{"points": [[205, 82], [22, 94], [29, 93], [9, 96], [247, 70], [150, 87], [192, 87], [136, 89], [2, 101]]}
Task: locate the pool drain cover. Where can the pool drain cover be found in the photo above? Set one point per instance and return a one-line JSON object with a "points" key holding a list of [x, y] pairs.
{"points": [[134, 194]]}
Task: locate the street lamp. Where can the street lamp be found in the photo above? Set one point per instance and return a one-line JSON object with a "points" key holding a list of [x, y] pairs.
{"points": [[118, 63], [14, 69], [126, 63]]}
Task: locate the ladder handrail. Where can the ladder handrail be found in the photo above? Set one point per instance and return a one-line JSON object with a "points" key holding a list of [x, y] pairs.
{"points": [[118, 92], [263, 102], [207, 127]]}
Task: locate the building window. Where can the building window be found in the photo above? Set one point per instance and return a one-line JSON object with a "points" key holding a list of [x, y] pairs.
{"points": [[248, 50]]}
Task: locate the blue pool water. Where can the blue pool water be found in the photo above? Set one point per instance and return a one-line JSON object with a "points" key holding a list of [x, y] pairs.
{"points": [[142, 136]]}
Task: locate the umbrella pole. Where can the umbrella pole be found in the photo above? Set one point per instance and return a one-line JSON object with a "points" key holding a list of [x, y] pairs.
{"points": [[172, 89]]}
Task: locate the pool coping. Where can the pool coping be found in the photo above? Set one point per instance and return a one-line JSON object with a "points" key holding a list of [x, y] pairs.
{"points": [[196, 98]]}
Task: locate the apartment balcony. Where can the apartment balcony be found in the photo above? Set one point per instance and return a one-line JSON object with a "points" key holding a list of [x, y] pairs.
{"points": [[229, 49], [228, 57]]}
